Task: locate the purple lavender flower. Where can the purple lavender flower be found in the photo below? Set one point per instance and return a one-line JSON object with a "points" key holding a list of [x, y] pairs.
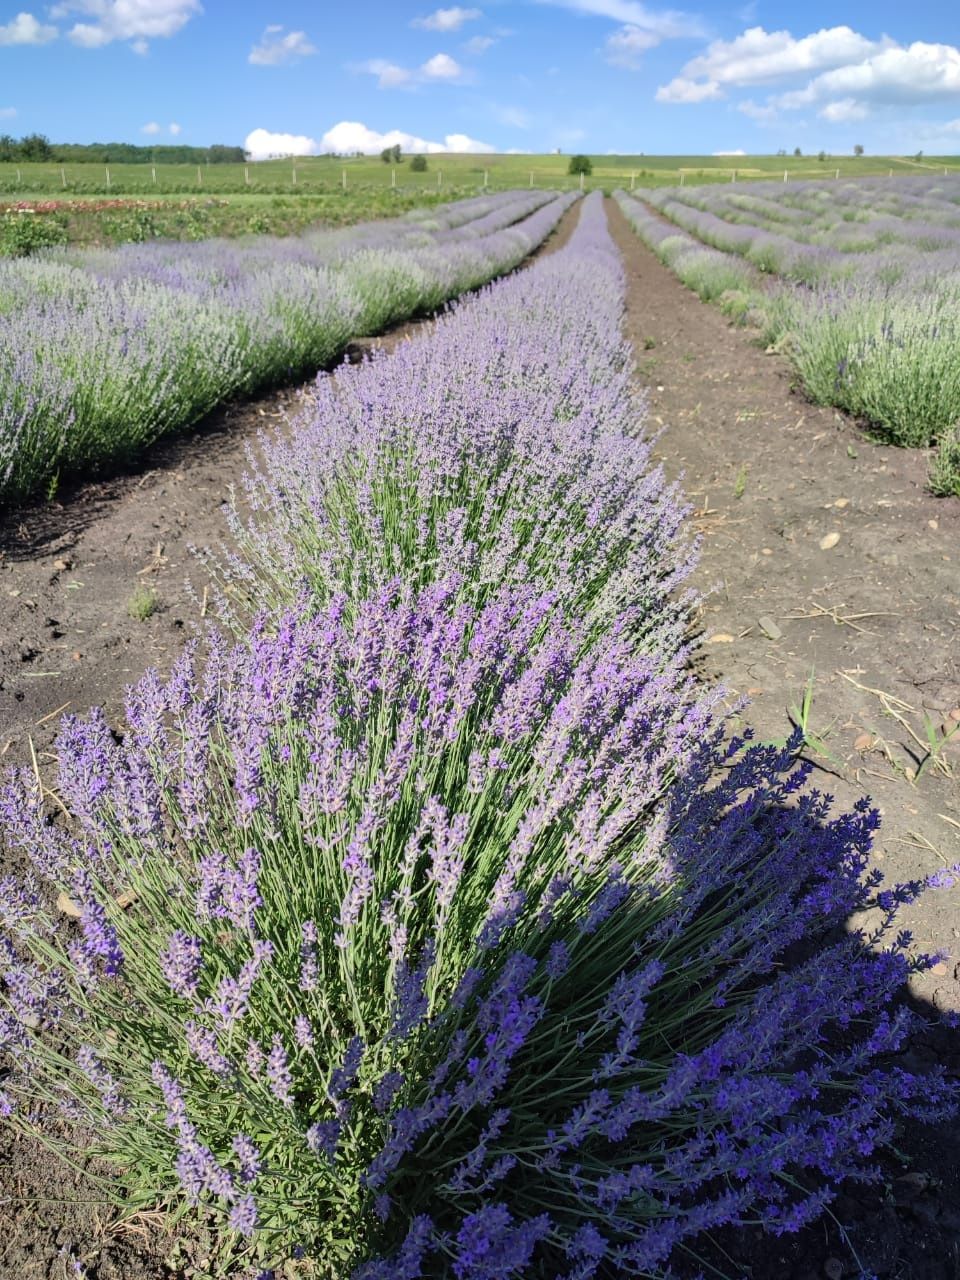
{"points": [[181, 963]]}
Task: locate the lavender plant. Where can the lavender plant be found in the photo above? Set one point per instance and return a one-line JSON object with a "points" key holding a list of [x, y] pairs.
{"points": [[102, 353], [430, 928]]}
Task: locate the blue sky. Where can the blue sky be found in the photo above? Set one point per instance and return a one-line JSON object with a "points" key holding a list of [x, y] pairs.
{"points": [[523, 75]]}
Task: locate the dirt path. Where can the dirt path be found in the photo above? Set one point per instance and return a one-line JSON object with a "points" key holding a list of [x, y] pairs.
{"points": [[773, 477], [68, 573]]}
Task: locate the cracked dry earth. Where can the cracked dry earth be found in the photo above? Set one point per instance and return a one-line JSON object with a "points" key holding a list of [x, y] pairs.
{"points": [[874, 617]]}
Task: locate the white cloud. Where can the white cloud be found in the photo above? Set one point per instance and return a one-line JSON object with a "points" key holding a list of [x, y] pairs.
{"points": [[175, 129], [350, 136], [625, 47], [7, 113], [441, 68], [447, 19], [478, 44], [389, 75], [894, 76], [275, 49], [759, 56], [135, 20], [152, 128], [843, 110], [140, 46], [25, 29], [738, 152], [668, 24], [261, 144]]}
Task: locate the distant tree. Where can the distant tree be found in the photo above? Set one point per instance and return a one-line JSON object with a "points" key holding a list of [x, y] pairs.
{"points": [[781, 152], [580, 164], [418, 164], [391, 155], [858, 149], [797, 152], [8, 147], [35, 146], [821, 156], [918, 156]]}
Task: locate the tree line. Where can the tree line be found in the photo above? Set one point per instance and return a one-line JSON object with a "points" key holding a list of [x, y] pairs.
{"points": [[34, 147]]}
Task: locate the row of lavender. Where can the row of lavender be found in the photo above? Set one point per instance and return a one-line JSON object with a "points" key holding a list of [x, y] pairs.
{"points": [[427, 926], [102, 352], [865, 301]]}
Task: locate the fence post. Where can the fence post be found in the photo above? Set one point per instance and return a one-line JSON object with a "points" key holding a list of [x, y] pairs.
{"points": [[838, 173], [682, 176], [294, 175], [784, 175], [199, 176], [246, 174], [107, 169], [343, 179], [486, 176], [733, 176], [531, 177], [153, 171], [633, 180], [63, 177], [19, 177], [581, 180]]}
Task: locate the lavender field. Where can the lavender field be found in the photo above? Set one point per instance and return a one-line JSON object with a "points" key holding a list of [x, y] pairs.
{"points": [[425, 920], [101, 352], [867, 310]]}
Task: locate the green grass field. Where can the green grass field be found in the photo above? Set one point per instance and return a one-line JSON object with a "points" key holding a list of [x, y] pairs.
{"points": [[327, 174]]}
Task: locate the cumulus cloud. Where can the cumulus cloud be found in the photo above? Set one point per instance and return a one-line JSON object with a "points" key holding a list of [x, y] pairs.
{"points": [[903, 76], [438, 69], [175, 129], [441, 67], [447, 19], [152, 128], [738, 152], [136, 20], [7, 113], [625, 47], [276, 48], [759, 56], [843, 73], [261, 144], [25, 29], [350, 136]]}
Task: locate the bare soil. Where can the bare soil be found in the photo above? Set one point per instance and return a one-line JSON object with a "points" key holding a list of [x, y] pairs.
{"points": [[873, 622]]}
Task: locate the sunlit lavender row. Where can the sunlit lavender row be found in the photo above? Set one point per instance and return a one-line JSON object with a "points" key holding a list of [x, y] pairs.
{"points": [[865, 300], [422, 923], [101, 352]]}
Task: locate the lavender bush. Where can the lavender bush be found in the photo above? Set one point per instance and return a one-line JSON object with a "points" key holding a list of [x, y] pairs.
{"points": [[868, 279], [100, 353], [430, 928]]}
